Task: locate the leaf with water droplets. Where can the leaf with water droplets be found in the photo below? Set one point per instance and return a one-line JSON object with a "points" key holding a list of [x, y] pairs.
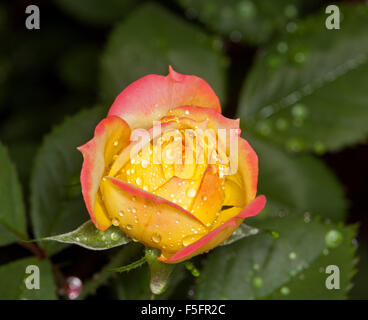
{"points": [[290, 266], [89, 237], [57, 204], [141, 45], [314, 97], [253, 21], [301, 185]]}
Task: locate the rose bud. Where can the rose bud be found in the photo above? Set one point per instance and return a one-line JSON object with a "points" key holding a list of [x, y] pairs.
{"points": [[168, 169]]}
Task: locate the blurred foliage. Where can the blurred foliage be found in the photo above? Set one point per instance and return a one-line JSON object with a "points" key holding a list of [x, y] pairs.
{"points": [[155, 45], [300, 92]]}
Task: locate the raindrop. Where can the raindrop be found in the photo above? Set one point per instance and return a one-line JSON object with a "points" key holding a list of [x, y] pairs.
{"points": [[134, 210], [285, 291], [115, 222], [264, 128], [116, 143], [204, 198], [291, 27], [257, 282], [293, 273], [319, 148], [247, 9], [156, 238], [275, 234], [307, 217], [282, 47], [299, 111], [292, 255], [114, 236], [333, 238], [235, 36], [294, 145], [187, 241], [291, 11], [191, 193], [282, 124], [300, 57], [74, 287], [129, 226], [144, 163], [138, 181]]}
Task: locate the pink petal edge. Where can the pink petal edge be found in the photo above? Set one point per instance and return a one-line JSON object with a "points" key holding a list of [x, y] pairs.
{"points": [[251, 210]]}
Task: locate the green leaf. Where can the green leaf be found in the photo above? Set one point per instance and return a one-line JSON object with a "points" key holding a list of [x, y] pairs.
{"points": [[56, 202], [12, 213], [13, 276], [296, 184], [307, 91], [290, 266], [89, 237], [253, 20], [97, 12], [240, 233], [149, 41]]}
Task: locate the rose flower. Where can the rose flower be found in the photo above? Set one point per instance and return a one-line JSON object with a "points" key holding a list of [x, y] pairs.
{"points": [[168, 169]]}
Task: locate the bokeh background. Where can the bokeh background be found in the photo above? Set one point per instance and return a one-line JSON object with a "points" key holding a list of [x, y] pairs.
{"points": [[300, 91]]}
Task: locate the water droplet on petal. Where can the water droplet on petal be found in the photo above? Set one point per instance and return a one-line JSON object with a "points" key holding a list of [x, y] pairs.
{"points": [[129, 226], [191, 193], [138, 181], [115, 222], [156, 237]]}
